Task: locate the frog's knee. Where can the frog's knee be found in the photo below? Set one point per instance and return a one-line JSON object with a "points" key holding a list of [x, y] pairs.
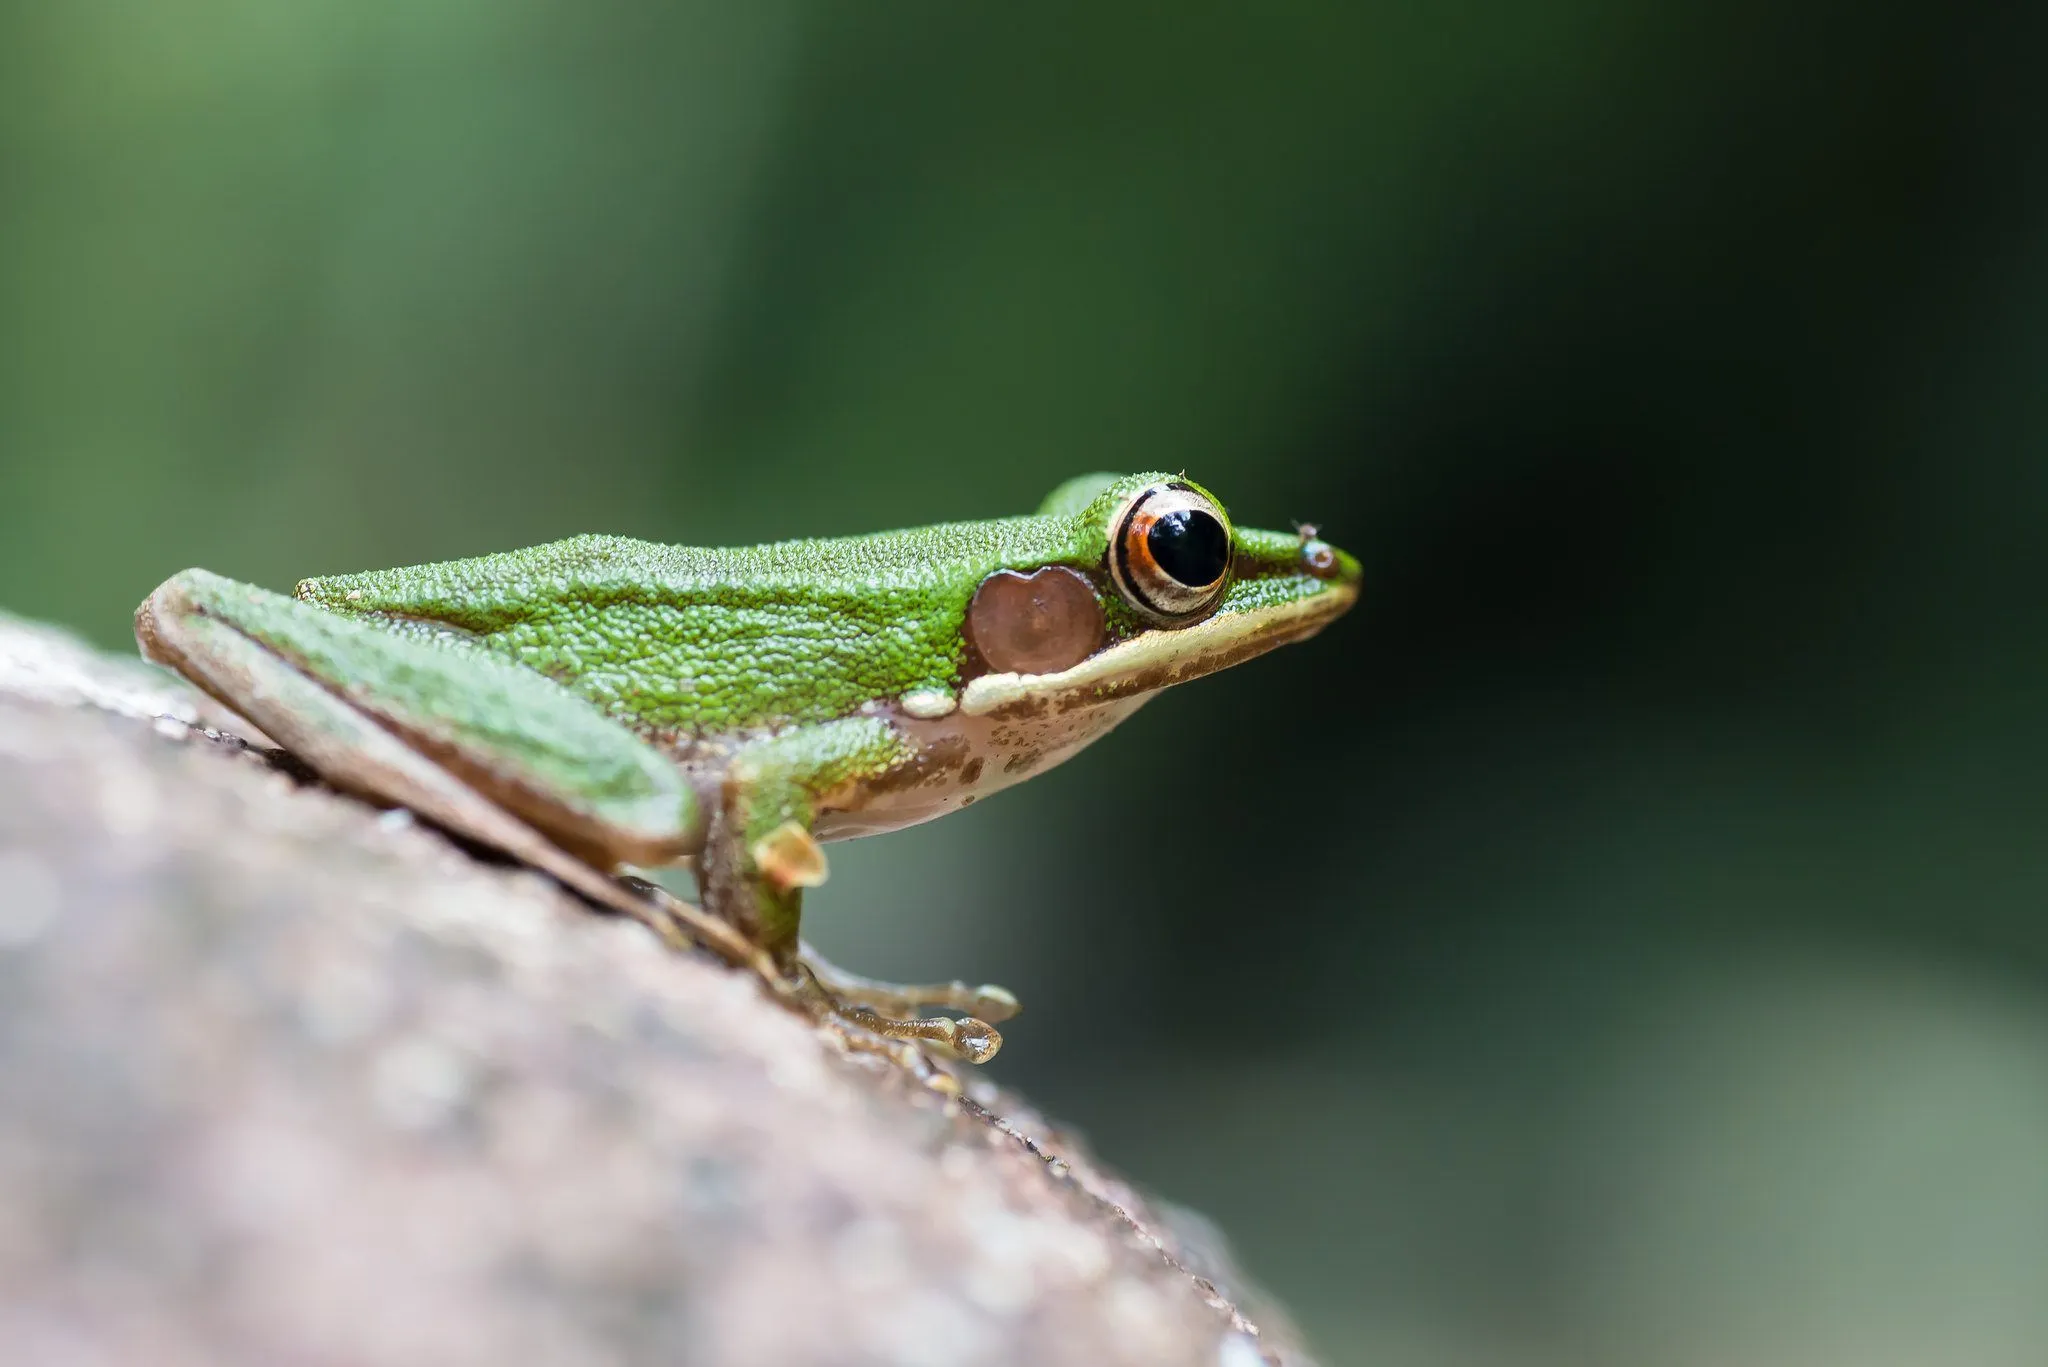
{"points": [[167, 623], [159, 616], [184, 593]]}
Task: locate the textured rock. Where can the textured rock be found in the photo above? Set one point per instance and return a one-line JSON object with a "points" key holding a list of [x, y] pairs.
{"points": [[284, 1079]]}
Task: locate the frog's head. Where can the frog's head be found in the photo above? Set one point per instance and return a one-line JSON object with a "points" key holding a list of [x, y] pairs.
{"points": [[1154, 586]]}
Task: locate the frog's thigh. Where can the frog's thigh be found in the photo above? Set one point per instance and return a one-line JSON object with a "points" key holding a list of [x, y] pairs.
{"points": [[510, 735], [354, 752], [334, 739]]}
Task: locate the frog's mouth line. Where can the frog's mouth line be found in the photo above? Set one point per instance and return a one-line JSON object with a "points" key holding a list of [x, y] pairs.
{"points": [[1159, 659]]}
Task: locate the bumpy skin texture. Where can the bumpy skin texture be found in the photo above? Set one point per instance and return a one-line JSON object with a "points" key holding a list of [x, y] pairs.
{"points": [[681, 643], [705, 699], [512, 715]]}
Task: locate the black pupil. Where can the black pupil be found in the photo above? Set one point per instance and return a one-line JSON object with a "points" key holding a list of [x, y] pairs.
{"points": [[1190, 545]]}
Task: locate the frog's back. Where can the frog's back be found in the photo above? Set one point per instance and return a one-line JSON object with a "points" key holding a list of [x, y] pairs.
{"points": [[684, 642]]}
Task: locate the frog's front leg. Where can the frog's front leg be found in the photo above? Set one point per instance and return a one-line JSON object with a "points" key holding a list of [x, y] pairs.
{"points": [[759, 856], [987, 1001]]}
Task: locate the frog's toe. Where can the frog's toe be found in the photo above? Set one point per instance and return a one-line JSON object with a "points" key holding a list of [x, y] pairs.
{"points": [[965, 1038], [987, 1002], [973, 1040], [862, 1032], [992, 1003]]}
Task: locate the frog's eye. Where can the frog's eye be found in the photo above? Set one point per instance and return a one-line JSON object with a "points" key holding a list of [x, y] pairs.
{"points": [[1169, 554]]}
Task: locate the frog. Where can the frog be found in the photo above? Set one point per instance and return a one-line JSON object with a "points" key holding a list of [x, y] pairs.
{"points": [[601, 708]]}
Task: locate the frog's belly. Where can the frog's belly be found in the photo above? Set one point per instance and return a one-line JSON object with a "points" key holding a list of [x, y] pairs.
{"points": [[962, 759]]}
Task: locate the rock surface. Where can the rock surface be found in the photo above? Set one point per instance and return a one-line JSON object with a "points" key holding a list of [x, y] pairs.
{"points": [[284, 1079]]}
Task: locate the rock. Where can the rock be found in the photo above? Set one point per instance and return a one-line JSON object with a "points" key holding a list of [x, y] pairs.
{"points": [[286, 1079]]}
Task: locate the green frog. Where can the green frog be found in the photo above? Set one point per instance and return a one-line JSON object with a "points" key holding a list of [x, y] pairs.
{"points": [[601, 704]]}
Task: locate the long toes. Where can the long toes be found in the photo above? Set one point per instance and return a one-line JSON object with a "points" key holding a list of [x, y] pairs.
{"points": [[973, 1040], [993, 1003]]}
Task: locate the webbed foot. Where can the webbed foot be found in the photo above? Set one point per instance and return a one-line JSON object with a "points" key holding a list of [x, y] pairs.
{"points": [[868, 1016]]}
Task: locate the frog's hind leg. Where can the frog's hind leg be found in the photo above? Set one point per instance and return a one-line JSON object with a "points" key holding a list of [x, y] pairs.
{"points": [[357, 752]]}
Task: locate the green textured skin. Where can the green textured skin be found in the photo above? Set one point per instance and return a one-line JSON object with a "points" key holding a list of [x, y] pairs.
{"points": [[683, 643], [541, 738], [780, 780], [634, 700]]}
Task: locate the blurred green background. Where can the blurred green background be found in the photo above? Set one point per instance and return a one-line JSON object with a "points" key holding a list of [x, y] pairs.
{"points": [[1623, 940]]}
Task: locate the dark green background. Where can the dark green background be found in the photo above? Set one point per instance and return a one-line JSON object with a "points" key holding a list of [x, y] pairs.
{"points": [[1623, 940]]}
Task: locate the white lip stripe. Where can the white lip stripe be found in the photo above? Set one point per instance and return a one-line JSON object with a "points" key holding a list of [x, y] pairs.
{"points": [[1155, 649]]}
